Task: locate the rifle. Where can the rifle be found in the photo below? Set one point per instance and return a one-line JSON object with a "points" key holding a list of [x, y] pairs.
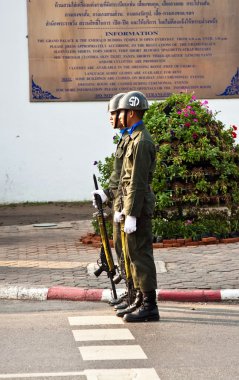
{"points": [[106, 261], [126, 262]]}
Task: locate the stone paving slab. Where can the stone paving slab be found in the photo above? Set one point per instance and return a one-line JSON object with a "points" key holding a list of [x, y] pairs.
{"points": [[50, 256]]}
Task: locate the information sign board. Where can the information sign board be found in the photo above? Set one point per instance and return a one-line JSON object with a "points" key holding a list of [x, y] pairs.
{"points": [[90, 50]]}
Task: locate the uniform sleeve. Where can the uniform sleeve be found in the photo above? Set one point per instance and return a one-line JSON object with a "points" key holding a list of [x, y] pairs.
{"points": [[111, 191], [142, 157]]}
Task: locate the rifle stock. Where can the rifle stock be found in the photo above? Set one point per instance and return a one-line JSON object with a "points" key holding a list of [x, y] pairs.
{"points": [[106, 258]]}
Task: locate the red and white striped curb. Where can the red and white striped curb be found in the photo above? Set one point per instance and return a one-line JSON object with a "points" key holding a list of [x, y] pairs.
{"points": [[105, 295]]}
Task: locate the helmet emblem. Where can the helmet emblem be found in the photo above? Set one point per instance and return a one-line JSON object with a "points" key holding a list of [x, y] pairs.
{"points": [[133, 101]]}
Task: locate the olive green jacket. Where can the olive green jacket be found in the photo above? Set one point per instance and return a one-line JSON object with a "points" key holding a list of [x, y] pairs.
{"points": [[114, 179], [137, 173]]}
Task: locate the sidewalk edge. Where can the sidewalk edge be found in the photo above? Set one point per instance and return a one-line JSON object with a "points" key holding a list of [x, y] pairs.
{"points": [[105, 295]]}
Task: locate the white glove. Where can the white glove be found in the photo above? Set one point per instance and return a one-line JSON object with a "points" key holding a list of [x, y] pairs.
{"points": [[130, 224], [102, 195], [117, 216]]}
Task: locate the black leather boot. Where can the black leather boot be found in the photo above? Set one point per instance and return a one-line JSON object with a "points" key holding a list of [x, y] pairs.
{"points": [[126, 302], [133, 306], [148, 310], [119, 300], [122, 305]]}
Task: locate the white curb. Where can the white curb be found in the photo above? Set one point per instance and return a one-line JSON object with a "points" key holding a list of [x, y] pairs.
{"points": [[229, 294], [23, 293], [107, 294]]}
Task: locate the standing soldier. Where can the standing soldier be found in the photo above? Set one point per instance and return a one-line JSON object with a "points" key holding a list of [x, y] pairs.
{"points": [[109, 194], [139, 203]]}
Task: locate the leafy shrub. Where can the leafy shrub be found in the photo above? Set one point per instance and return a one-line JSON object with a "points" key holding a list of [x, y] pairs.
{"points": [[197, 158], [197, 169]]}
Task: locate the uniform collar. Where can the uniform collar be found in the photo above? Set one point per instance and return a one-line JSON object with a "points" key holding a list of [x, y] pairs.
{"points": [[122, 131], [137, 131], [134, 126]]}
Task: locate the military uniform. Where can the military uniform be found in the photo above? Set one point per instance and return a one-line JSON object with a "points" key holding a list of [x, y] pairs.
{"points": [[139, 201], [138, 157], [111, 191]]}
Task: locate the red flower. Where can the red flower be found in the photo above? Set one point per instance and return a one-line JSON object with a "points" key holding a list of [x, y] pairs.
{"points": [[187, 124], [234, 135], [234, 127]]}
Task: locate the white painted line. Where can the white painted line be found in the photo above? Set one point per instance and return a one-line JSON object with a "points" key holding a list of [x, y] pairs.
{"points": [[42, 264], [93, 374], [122, 374], [230, 294], [46, 225], [112, 352], [44, 375], [102, 334], [95, 320]]}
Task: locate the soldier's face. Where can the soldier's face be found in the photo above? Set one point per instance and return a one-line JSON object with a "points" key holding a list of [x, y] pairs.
{"points": [[121, 118], [129, 120], [113, 120]]}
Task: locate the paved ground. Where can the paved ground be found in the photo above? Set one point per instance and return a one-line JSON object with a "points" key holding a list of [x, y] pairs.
{"points": [[51, 256], [30, 213]]}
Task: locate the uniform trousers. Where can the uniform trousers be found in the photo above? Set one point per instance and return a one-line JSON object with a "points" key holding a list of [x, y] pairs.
{"points": [[140, 250]]}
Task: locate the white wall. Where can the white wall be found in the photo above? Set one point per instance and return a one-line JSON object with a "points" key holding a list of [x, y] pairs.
{"points": [[47, 149]]}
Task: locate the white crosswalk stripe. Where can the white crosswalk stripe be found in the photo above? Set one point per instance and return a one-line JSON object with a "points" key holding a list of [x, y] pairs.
{"points": [[111, 352], [95, 320], [102, 334], [122, 374], [92, 374]]}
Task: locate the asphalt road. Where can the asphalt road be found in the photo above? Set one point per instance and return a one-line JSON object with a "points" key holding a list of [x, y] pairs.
{"points": [[48, 340]]}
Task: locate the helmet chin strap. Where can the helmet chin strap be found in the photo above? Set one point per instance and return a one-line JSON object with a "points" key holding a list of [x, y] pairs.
{"points": [[125, 118], [116, 120]]}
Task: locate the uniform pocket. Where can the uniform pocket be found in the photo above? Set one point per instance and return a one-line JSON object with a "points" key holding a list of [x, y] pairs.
{"points": [[129, 152]]}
